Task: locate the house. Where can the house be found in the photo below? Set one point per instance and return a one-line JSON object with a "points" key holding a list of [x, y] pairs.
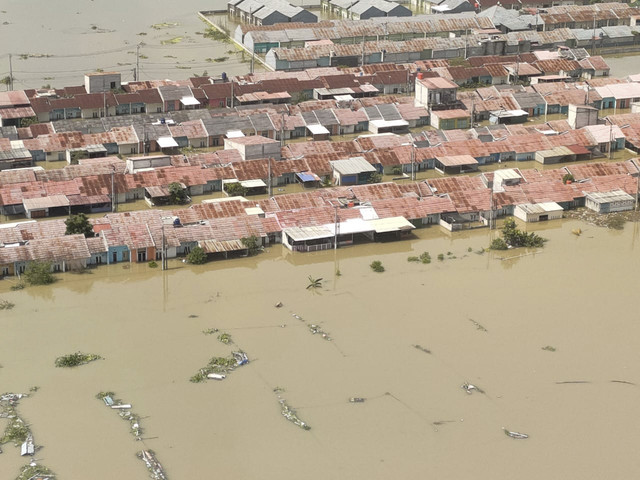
{"points": [[453, 6], [608, 137], [353, 171], [453, 164], [98, 82], [434, 91], [607, 202], [538, 212], [508, 117], [269, 12], [450, 119], [254, 147]]}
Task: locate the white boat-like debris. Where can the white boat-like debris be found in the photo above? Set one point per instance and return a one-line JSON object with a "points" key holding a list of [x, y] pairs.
{"points": [[516, 435]]}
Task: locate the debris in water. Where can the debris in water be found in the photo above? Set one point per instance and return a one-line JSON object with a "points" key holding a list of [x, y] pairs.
{"points": [[290, 414], [225, 338], [572, 381], [478, 326], [210, 331], [296, 316], [278, 305], [516, 435], [577, 232], [124, 410], [622, 381], [549, 348], [357, 400], [35, 471], [313, 328], [422, 349], [469, 388], [221, 366], [153, 465], [193, 316]]}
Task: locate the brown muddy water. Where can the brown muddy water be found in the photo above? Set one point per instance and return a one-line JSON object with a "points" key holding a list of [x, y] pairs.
{"points": [[578, 295]]}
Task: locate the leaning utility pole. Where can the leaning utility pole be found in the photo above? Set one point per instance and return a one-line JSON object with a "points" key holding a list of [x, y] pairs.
{"points": [[10, 74], [137, 75]]}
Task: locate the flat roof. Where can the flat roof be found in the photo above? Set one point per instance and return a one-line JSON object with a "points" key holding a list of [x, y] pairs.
{"points": [[608, 197], [166, 142], [352, 166], [457, 160], [391, 224], [253, 183], [189, 101], [389, 123], [545, 207], [318, 130], [300, 234], [234, 134]]}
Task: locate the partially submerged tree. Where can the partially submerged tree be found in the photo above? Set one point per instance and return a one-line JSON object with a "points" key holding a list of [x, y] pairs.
{"points": [[39, 273], [79, 224], [517, 238], [252, 243], [177, 195], [197, 256], [235, 189]]}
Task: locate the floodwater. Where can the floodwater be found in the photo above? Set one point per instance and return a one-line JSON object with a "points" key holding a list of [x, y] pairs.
{"points": [[85, 35], [576, 295]]}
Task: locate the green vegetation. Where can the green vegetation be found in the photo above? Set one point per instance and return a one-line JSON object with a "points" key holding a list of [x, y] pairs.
{"points": [[235, 189], [549, 348], [34, 471], [498, 244], [377, 266], [374, 177], [6, 81], [108, 393], [216, 365], [210, 331], [177, 194], [252, 244], [18, 286], [160, 26], [16, 431], [517, 238], [153, 264], [39, 273], [314, 282], [616, 222], [424, 257], [25, 122], [79, 224], [217, 59], [76, 359], [568, 178], [441, 256], [215, 34], [197, 256], [225, 338], [172, 41]]}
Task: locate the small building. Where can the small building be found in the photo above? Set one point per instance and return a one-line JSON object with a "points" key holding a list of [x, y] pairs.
{"points": [[353, 171], [254, 147], [134, 164], [453, 164], [555, 155], [98, 82], [160, 195], [607, 202], [435, 91], [582, 115], [538, 212], [508, 117], [450, 119]]}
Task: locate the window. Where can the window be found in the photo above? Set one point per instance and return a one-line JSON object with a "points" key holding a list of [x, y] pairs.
{"points": [[133, 149], [113, 85], [202, 144], [56, 267], [5, 271], [159, 110], [215, 142]]}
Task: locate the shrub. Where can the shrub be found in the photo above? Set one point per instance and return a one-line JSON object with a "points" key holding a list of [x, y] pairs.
{"points": [[76, 359], [235, 189], [39, 273], [252, 244], [441, 256], [197, 256], [153, 264], [376, 266], [498, 244]]}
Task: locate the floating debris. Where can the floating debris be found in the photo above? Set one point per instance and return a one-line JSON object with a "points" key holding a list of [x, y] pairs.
{"points": [[549, 348], [153, 465], [469, 388], [6, 305], [28, 447], [572, 381], [622, 381], [76, 359], [357, 400], [278, 305], [217, 376], [478, 326], [516, 435], [159, 26], [16, 431], [210, 331], [193, 316], [124, 411], [34, 471], [577, 232], [277, 390], [313, 328], [225, 338], [296, 316], [290, 414], [221, 366], [422, 349]]}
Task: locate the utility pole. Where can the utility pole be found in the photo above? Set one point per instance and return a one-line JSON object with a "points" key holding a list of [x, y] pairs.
{"points": [[137, 74], [10, 74], [362, 60], [269, 175], [335, 229], [593, 40], [413, 161], [232, 93], [466, 36], [164, 250], [113, 192], [282, 132]]}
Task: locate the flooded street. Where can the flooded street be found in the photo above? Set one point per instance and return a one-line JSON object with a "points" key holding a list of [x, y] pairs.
{"points": [[575, 295]]}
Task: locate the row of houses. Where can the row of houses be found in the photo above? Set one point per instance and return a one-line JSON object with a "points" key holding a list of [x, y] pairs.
{"points": [[316, 220], [271, 12], [259, 163], [364, 9]]}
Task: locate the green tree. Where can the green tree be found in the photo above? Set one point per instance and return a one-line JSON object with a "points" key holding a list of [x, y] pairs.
{"points": [[252, 243], [39, 273], [568, 178], [197, 256], [79, 224], [374, 177], [177, 195], [25, 122], [6, 81], [517, 238], [235, 189]]}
